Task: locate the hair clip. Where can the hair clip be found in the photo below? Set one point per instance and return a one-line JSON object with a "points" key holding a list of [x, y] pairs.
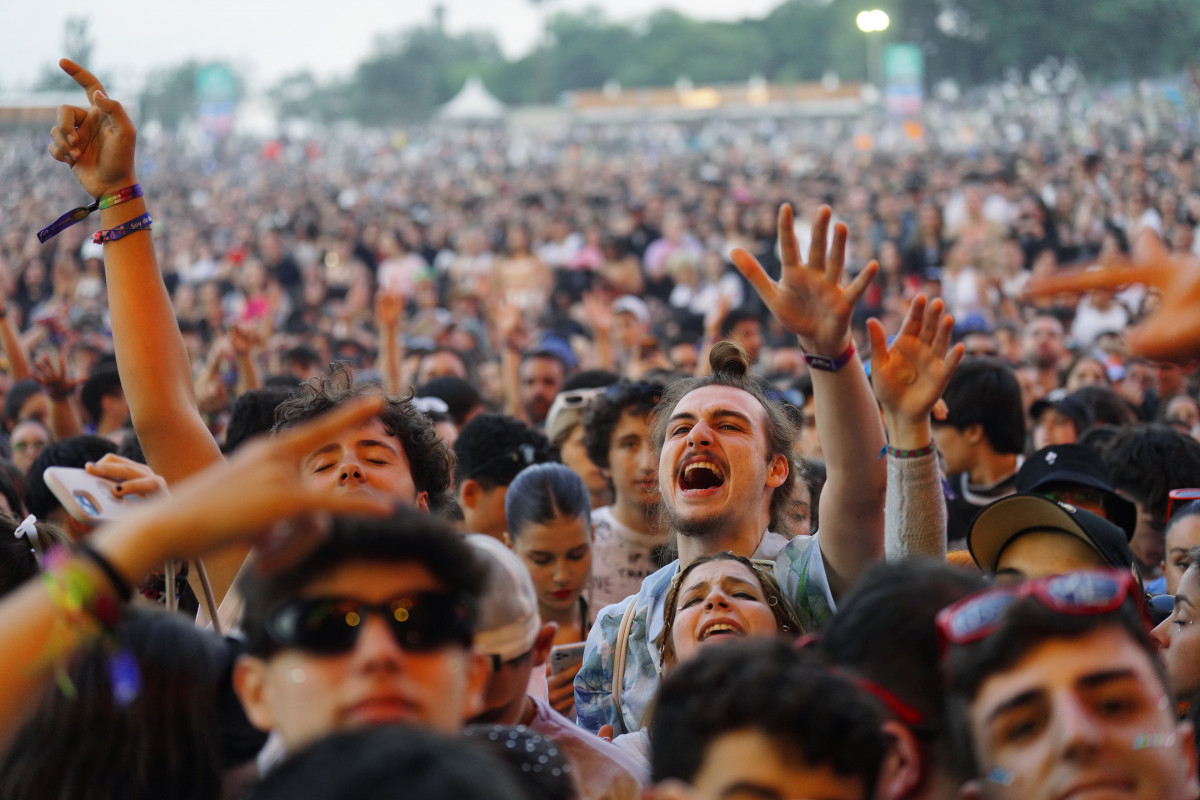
{"points": [[28, 529]]}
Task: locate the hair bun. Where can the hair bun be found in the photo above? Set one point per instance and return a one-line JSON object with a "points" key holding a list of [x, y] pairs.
{"points": [[730, 358]]}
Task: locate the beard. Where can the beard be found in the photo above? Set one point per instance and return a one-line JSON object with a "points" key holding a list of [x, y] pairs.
{"points": [[698, 527]]}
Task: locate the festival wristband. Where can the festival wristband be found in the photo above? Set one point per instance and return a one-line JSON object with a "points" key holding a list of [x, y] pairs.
{"points": [[119, 584], [827, 364], [896, 452], [75, 215], [133, 226]]}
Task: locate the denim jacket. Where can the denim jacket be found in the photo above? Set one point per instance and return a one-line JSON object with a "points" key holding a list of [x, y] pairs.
{"points": [[800, 571]]}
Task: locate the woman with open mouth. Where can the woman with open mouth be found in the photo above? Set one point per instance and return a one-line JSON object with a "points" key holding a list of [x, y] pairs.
{"points": [[722, 598], [715, 599]]}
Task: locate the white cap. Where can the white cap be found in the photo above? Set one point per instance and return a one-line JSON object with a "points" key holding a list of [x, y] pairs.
{"points": [[628, 304], [509, 621]]}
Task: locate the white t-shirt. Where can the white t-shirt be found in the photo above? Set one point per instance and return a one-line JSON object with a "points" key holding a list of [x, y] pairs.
{"points": [[621, 559]]}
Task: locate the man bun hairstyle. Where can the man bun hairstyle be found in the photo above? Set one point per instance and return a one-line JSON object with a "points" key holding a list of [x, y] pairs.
{"points": [[729, 357]]}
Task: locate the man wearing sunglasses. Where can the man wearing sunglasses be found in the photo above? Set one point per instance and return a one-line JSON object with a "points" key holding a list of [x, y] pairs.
{"points": [[1056, 693], [374, 626]]}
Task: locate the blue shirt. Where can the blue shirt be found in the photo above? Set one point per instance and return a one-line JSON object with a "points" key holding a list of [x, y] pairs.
{"points": [[800, 570]]}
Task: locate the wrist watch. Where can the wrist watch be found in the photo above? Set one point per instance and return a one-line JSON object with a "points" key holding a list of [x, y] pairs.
{"points": [[827, 364]]}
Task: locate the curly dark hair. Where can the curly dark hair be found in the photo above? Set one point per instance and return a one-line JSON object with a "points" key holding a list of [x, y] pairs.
{"points": [[429, 460], [492, 448], [810, 716], [605, 412], [730, 366]]}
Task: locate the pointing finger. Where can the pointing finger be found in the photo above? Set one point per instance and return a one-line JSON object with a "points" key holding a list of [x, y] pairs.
{"points": [[300, 441], [87, 80]]}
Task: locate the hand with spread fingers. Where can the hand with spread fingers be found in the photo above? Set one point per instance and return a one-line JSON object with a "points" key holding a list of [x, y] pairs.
{"points": [[909, 376], [98, 141], [809, 299], [51, 372], [1171, 332]]}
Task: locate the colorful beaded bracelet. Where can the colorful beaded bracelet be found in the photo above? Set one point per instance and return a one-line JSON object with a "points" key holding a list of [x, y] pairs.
{"points": [[897, 453]]}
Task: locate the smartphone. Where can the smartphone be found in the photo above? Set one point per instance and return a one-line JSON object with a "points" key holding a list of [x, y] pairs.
{"points": [[87, 498], [565, 656]]}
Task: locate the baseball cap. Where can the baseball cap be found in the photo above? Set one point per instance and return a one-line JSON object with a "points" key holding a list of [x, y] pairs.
{"points": [[1078, 465], [1068, 405], [509, 621], [1001, 522], [628, 304]]}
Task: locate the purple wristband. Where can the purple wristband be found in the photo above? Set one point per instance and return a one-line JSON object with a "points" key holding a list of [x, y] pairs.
{"points": [[133, 226]]}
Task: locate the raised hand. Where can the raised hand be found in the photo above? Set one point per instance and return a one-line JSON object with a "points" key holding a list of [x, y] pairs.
{"points": [[599, 312], [1172, 331], [52, 374], [237, 500], [244, 339], [389, 308], [809, 299], [909, 376], [98, 141]]}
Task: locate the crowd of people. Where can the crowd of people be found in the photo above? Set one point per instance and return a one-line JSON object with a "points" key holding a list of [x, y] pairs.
{"points": [[728, 461]]}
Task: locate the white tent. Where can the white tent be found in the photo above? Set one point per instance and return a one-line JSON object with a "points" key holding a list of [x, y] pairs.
{"points": [[472, 103]]}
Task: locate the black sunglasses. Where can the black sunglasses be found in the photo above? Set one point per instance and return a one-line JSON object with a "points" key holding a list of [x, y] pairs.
{"points": [[330, 625]]}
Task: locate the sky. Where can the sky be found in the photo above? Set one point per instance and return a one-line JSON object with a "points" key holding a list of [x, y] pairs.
{"points": [[269, 39]]}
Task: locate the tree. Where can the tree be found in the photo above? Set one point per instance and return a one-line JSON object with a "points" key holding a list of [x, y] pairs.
{"points": [[78, 46]]}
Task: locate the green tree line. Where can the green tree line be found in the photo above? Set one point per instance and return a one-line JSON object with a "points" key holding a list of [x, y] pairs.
{"points": [[408, 74]]}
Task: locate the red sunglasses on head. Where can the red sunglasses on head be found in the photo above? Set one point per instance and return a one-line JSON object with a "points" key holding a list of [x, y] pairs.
{"points": [[977, 616]]}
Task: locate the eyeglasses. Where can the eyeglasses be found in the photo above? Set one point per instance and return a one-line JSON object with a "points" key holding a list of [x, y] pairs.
{"points": [[330, 625], [1086, 592]]}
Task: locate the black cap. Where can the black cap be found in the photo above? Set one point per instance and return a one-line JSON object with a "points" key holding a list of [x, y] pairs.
{"points": [[1068, 405], [1060, 464], [1009, 518]]}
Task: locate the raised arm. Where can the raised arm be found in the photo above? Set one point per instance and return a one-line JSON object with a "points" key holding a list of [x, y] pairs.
{"points": [[65, 418], [810, 301], [389, 310], [98, 144], [226, 504], [908, 378], [14, 348]]}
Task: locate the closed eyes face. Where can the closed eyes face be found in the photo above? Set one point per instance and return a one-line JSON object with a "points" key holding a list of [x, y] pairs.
{"points": [[364, 459], [720, 601]]}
